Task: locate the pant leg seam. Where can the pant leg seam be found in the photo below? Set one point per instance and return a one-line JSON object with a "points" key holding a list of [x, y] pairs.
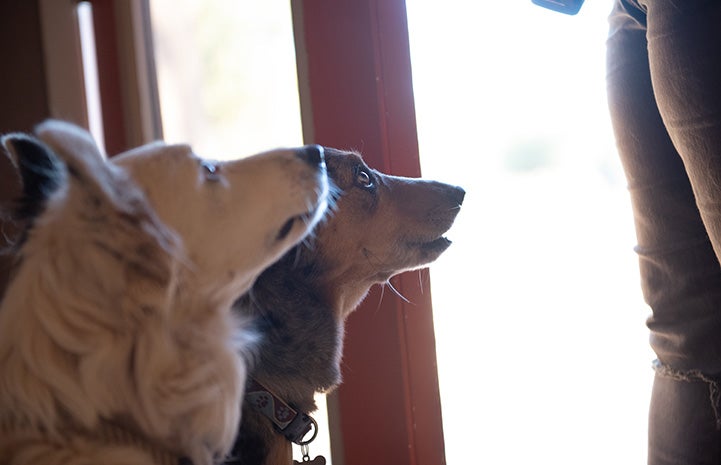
{"points": [[690, 376]]}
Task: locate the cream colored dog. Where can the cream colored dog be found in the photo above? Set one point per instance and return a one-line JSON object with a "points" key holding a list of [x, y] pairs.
{"points": [[117, 344]]}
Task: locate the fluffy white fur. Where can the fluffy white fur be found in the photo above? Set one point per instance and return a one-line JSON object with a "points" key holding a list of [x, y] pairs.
{"points": [[117, 344]]}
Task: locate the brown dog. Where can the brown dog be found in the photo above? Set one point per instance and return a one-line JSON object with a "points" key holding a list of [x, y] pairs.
{"points": [[382, 225]]}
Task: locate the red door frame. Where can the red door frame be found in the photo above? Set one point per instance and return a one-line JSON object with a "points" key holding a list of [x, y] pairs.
{"points": [[356, 92]]}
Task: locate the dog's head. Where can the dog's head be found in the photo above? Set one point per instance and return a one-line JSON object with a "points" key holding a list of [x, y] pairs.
{"points": [[235, 217], [382, 225]]}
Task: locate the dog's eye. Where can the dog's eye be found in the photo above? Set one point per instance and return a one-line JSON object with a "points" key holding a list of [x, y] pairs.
{"points": [[363, 179], [210, 170]]}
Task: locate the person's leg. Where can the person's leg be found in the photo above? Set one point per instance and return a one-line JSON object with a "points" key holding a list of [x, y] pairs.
{"points": [[684, 47], [680, 274], [683, 426]]}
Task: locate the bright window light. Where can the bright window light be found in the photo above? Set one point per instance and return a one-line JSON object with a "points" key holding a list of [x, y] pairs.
{"points": [[542, 346]]}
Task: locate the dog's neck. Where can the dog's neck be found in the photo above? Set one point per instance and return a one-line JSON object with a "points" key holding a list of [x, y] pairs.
{"points": [[346, 297], [300, 316], [301, 339]]}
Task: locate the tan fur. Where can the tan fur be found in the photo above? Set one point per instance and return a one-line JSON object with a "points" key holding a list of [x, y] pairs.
{"points": [[117, 320]]}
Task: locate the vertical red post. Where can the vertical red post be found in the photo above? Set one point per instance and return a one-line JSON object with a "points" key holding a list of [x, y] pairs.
{"points": [[356, 92]]}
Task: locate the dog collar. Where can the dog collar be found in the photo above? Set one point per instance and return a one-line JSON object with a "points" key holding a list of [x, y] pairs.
{"points": [[292, 424]]}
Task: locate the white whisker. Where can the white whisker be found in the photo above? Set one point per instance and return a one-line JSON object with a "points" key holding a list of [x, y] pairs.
{"points": [[380, 298], [395, 291]]}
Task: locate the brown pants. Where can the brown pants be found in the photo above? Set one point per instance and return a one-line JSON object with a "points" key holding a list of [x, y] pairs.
{"points": [[664, 89]]}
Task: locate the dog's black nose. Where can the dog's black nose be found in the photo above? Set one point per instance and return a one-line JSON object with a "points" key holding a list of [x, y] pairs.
{"points": [[454, 194], [459, 194], [312, 154]]}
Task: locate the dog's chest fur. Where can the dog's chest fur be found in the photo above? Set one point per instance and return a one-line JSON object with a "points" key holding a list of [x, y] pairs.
{"points": [[301, 339], [299, 353]]}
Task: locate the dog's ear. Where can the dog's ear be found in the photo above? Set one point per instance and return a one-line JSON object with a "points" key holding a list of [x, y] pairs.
{"points": [[67, 138], [99, 182], [74, 145], [104, 189], [41, 172]]}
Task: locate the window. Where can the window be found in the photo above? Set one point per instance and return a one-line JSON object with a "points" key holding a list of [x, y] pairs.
{"points": [[538, 311], [227, 75]]}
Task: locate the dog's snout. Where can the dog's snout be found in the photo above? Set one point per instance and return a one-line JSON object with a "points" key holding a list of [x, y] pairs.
{"points": [[312, 154], [458, 194]]}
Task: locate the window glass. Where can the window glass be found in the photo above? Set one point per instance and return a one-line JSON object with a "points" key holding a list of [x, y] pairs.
{"points": [[542, 347], [226, 75]]}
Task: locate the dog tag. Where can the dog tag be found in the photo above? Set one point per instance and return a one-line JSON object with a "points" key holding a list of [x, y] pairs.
{"points": [[320, 460]]}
